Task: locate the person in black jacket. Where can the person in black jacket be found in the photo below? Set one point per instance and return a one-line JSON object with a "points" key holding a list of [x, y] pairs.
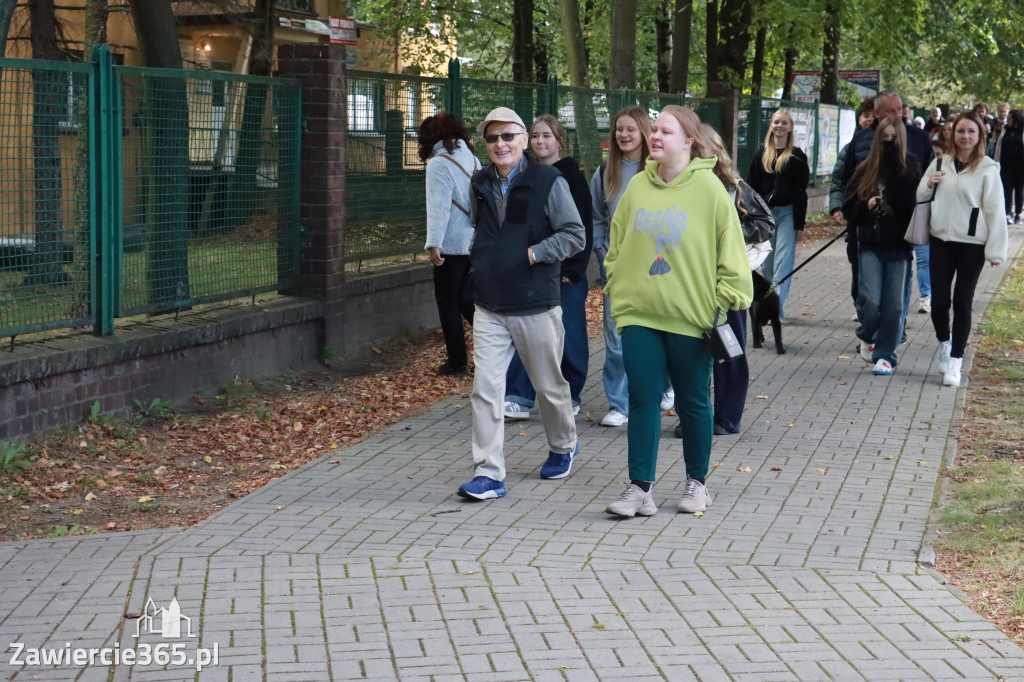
{"points": [[1010, 157], [547, 142], [779, 173], [881, 199], [526, 224]]}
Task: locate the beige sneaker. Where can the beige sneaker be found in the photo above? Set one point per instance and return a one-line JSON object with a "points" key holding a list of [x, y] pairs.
{"points": [[633, 502], [695, 497]]}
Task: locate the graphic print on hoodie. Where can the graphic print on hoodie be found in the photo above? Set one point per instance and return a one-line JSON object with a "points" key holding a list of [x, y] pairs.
{"points": [[666, 228]]}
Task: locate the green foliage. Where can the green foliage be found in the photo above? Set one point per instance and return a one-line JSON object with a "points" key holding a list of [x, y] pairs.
{"points": [[13, 459], [144, 506], [97, 415], [157, 407]]}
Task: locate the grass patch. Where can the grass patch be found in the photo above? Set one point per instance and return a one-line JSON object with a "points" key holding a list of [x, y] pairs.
{"points": [[979, 545]]}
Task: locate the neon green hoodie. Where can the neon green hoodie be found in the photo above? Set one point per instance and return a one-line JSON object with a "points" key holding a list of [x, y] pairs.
{"points": [[676, 252]]}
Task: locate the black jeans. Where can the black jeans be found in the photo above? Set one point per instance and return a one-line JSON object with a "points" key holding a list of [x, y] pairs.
{"points": [[964, 262], [1013, 188], [453, 291]]}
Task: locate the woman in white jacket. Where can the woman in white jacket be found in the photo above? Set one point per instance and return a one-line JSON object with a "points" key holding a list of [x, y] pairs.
{"points": [[968, 227]]}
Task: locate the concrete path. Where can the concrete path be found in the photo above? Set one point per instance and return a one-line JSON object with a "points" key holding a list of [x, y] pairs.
{"points": [[365, 565]]}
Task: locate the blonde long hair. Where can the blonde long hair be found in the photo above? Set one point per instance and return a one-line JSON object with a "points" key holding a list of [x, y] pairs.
{"points": [[724, 168], [613, 169], [772, 160]]}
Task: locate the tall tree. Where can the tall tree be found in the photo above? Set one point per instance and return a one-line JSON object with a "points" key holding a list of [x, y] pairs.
{"points": [[95, 25], [711, 42], [48, 94], [757, 68], [522, 41], [830, 54], [622, 44], [787, 76], [6, 12], [663, 37], [166, 111], [734, 17], [575, 48], [682, 29]]}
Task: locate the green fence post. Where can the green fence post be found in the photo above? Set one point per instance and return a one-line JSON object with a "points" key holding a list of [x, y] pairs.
{"points": [[453, 98], [552, 103], [105, 189]]}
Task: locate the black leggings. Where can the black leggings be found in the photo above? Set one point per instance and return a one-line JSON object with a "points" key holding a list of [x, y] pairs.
{"points": [[965, 262], [1013, 188], [453, 291]]}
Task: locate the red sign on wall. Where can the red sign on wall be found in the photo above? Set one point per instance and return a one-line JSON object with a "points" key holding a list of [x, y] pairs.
{"points": [[343, 31]]}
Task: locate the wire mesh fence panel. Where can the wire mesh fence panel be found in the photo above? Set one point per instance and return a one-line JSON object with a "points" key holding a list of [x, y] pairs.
{"points": [[44, 196], [210, 187], [385, 178]]}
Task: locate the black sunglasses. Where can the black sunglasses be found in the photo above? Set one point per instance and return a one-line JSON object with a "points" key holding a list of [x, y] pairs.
{"points": [[506, 137]]}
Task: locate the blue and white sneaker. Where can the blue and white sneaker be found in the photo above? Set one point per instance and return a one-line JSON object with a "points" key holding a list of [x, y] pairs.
{"points": [[883, 368], [558, 464], [482, 488]]}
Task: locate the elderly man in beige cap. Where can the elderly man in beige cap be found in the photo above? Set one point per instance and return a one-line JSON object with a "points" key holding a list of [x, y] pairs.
{"points": [[526, 224]]}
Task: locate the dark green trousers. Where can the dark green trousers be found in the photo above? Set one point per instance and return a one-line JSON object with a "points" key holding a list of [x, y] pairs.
{"points": [[649, 355]]}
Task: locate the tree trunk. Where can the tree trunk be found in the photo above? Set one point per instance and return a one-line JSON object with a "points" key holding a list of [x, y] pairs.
{"points": [[622, 45], [167, 117], [522, 42], [682, 30], [757, 68], [711, 42], [95, 25], [575, 47], [787, 74], [663, 37], [540, 60], [6, 12], [48, 94], [733, 40], [830, 54]]}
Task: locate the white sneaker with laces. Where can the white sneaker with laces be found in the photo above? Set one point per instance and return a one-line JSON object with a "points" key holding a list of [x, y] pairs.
{"points": [[926, 305], [944, 349], [952, 374], [695, 497], [866, 349], [633, 502], [882, 368], [516, 411], [668, 400], [614, 418]]}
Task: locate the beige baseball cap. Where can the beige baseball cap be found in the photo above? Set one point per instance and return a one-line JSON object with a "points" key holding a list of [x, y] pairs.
{"points": [[501, 115]]}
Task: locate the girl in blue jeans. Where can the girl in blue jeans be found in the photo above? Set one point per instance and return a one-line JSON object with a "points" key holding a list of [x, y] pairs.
{"points": [[779, 173]]}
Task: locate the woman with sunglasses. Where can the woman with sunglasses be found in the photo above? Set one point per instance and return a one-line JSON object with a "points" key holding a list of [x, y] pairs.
{"points": [[968, 227], [878, 207], [676, 261]]}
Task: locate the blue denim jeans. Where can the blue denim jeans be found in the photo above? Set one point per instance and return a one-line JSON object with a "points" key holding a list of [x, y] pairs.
{"points": [[880, 293], [922, 255], [575, 354], [616, 387], [780, 261]]}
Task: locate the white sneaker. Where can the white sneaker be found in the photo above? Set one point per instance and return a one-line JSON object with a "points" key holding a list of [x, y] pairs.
{"points": [[695, 497], [883, 368], [944, 348], [668, 400], [614, 418], [575, 410], [926, 305], [866, 350], [634, 501], [516, 411], [952, 375]]}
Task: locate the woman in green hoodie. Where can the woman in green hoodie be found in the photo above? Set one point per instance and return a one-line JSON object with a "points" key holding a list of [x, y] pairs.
{"points": [[676, 256]]}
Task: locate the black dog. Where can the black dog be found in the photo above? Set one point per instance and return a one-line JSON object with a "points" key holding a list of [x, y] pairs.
{"points": [[765, 309]]}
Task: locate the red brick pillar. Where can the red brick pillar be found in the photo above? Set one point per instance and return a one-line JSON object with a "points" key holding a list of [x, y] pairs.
{"points": [[321, 70]]}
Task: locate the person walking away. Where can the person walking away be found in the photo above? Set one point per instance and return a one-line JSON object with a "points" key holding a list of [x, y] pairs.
{"points": [[675, 257], [526, 224], [882, 199], [627, 150], [968, 227], [445, 145], [1010, 157], [547, 143], [779, 173]]}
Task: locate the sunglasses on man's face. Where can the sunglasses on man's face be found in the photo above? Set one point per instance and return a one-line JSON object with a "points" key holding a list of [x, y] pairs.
{"points": [[505, 137]]}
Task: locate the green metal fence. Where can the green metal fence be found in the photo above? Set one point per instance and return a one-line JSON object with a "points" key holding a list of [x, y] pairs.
{"points": [[45, 219], [126, 190], [385, 178]]}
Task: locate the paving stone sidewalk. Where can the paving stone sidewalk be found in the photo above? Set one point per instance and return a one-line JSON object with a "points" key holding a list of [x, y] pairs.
{"points": [[365, 565]]}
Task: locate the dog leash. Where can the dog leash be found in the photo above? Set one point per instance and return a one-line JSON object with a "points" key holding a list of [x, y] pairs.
{"points": [[812, 257]]}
